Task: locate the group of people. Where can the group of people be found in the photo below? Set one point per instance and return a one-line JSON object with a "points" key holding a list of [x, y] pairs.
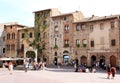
{"points": [[84, 68], [111, 70], [35, 65], [9, 65], [40, 65]]}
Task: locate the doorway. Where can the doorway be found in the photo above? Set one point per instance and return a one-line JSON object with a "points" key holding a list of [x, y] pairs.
{"points": [[83, 60], [93, 60], [113, 60]]}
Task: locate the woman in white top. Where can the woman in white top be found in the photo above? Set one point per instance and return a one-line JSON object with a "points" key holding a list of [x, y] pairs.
{"points": [[10, 67]]}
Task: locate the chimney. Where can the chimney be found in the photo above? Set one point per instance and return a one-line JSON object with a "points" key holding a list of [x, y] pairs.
{"points": [[76, 11], [93, 16]]}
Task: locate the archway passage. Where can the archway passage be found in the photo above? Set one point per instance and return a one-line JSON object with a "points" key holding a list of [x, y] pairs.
{"points": [[113, 60], [55, 60], [30, 55], [93, 60], [83, 60], [66, 59]]}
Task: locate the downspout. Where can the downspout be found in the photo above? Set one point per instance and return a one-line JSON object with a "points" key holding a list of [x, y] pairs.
{"points": [[119, 42]]}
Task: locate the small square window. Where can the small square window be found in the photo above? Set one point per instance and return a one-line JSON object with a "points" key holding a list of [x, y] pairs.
{"points": [[64, 18], [23, 35], [11, 27], [113, 42]]}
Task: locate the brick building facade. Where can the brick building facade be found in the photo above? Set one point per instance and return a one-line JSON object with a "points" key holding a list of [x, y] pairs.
{"points": [[70, 36]]}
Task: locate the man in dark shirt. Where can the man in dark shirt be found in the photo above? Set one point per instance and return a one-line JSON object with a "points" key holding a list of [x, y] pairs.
{"points": [[76, 62], [113, 71]]}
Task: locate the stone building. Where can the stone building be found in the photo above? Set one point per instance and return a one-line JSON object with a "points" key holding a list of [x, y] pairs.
{"points": [[42, 25], [11, 39], [26, 37], [91, 40], [81, 41], [103, 39], [66, 37], [61, 37], [2, 40]]}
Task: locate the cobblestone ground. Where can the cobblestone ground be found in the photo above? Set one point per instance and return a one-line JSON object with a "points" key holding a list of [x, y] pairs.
{"points": [[51, 75]]}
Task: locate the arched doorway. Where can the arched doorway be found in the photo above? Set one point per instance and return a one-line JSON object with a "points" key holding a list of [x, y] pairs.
{"points": [[113, 60], [102, 61], [30, 55], [66, 59], [55, 58], [33, 53], [93, 60], [83, 60]]}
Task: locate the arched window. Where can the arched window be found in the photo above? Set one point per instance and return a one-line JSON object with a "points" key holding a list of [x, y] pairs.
{"points": [[84, 43], [83, 27], [78, 43], [44, 22], [8, 47], [66, 43], [13, 47], [55, 53], [56, 28], [91, 27], [66, 28], [77, 27], [8, 36], [13, 35], [30, 35], [23, 35]]}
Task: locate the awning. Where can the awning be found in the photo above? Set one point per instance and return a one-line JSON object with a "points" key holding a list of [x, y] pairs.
{"points": [[8, 59]]}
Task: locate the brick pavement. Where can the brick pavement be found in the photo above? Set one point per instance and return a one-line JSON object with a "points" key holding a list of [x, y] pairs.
{"points": [[50, 75]]}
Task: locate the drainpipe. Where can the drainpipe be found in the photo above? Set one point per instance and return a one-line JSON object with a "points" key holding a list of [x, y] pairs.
{"points": [[119, 42]]}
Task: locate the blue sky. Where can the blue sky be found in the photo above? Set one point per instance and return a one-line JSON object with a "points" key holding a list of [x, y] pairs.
{"points": [[21, 11]]}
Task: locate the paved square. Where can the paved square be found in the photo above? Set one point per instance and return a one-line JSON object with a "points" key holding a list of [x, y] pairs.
{"points": [[57, 76]]}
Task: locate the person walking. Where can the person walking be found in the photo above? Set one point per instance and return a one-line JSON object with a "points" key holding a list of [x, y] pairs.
{"points": [[113, 71], [43, 65], [108, 71], [10, 67], [76, 63], [26, 65]]}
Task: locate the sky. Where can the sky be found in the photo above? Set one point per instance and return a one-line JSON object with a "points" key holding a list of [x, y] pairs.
{"points": [[21, 11]]}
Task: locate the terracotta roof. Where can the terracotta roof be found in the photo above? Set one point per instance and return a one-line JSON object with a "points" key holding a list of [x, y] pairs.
{"points": [[41, 10], [16, 25], [25, 28], [95, 18], [62, 15]]}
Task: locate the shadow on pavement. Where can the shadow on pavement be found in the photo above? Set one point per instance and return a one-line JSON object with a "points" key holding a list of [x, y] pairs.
{"points": [[102, 78]]}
